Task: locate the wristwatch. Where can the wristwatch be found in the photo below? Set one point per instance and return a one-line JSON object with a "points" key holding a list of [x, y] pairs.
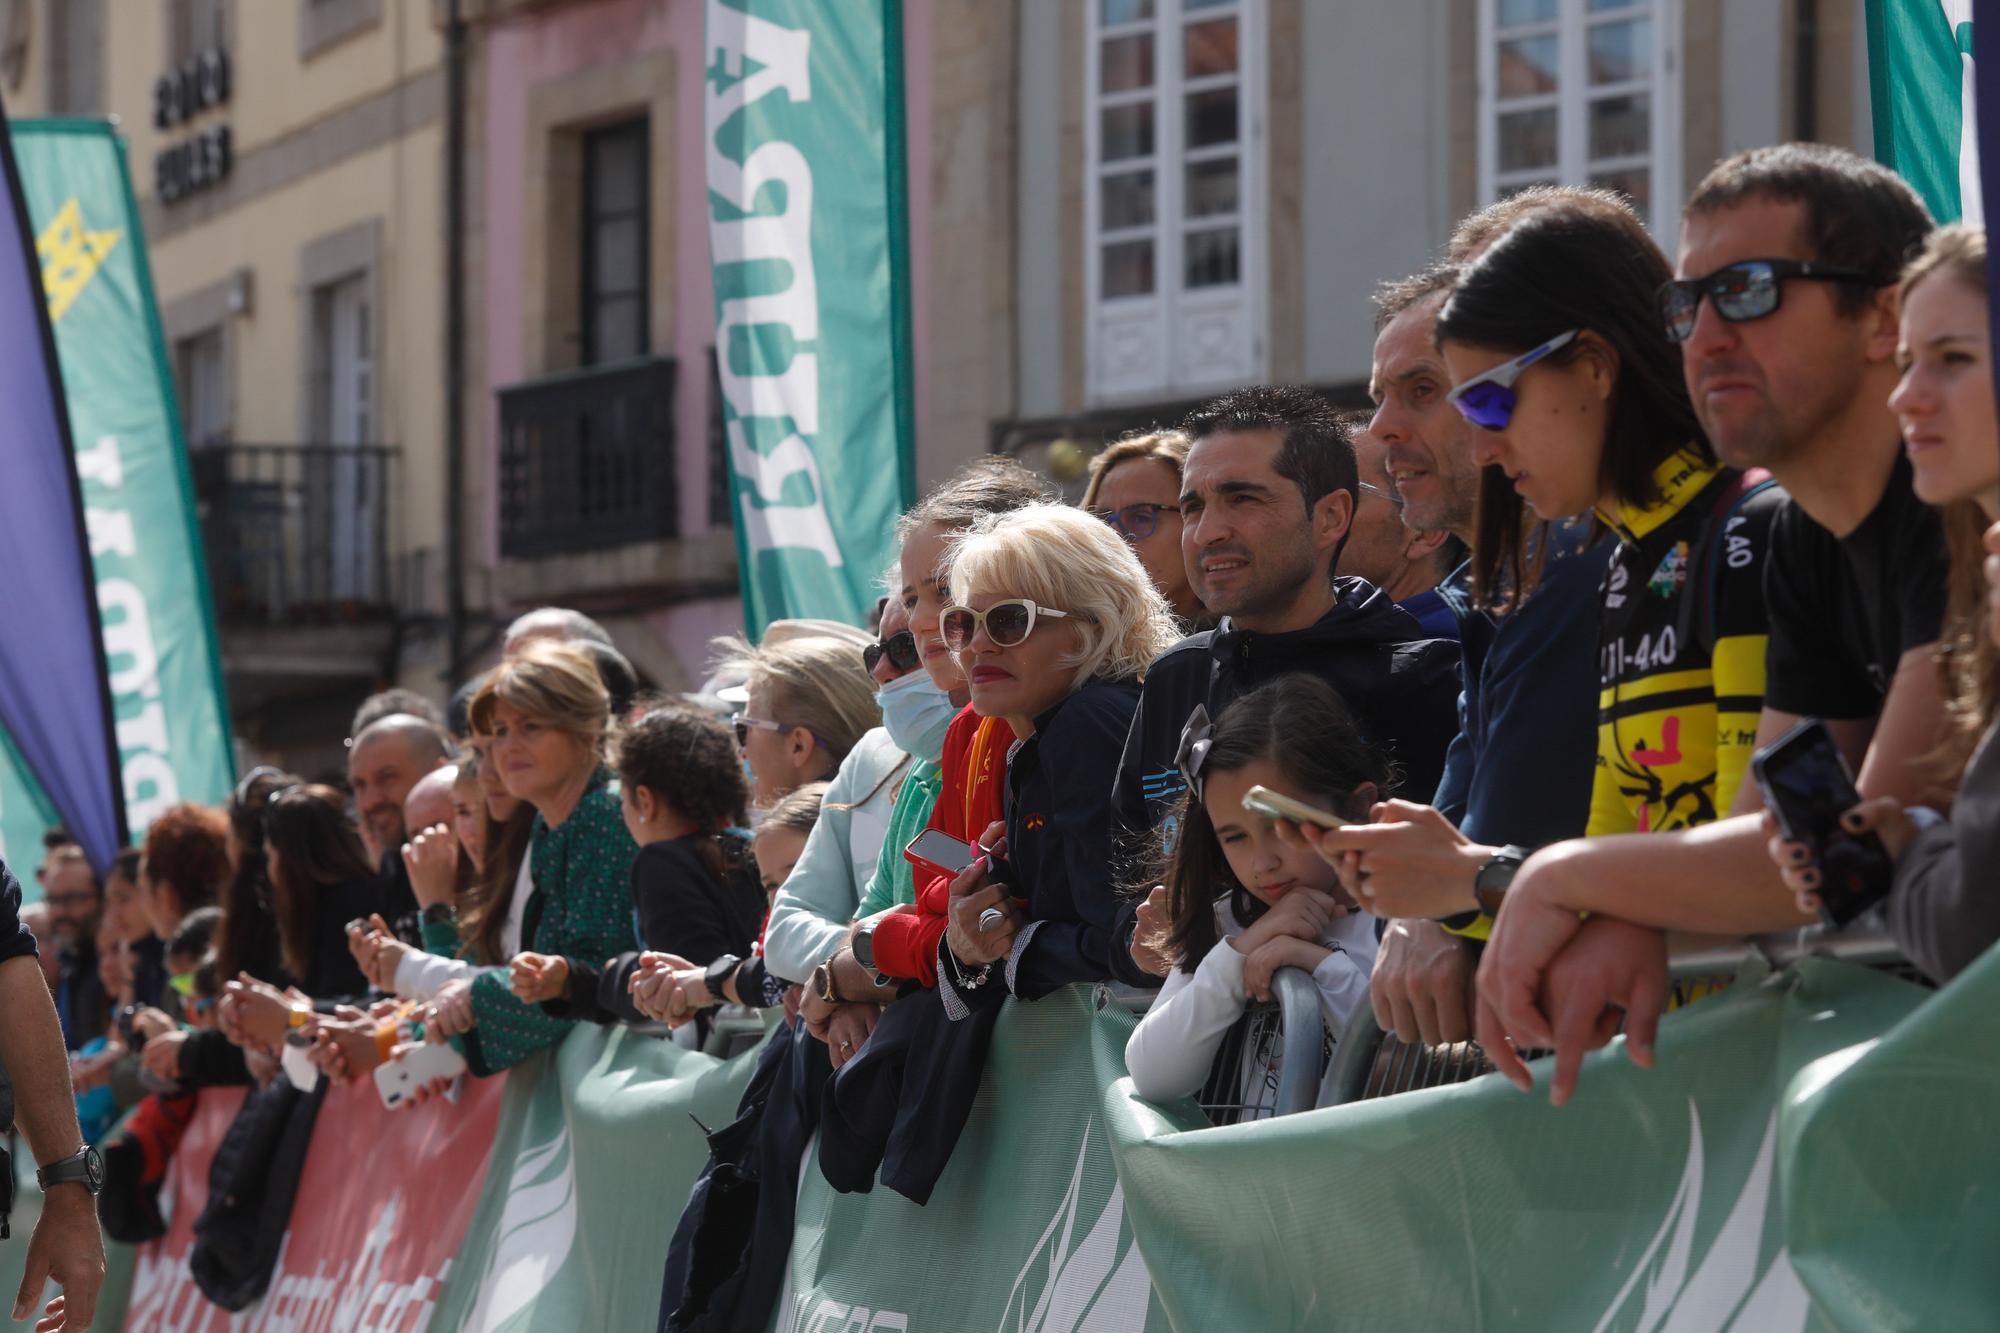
{"points": [[440, 914], [1496, 875], [821, 983], [717, 975], [862, 945], [83, 1167]]}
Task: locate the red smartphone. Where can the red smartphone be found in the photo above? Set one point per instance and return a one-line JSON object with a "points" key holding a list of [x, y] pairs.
{"points": [[940, 853]]}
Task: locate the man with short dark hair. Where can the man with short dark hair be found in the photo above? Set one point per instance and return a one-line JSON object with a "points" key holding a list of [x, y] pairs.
{"points": [[1402, 561], [1786, 312], [75, 899], [1267, 498]]}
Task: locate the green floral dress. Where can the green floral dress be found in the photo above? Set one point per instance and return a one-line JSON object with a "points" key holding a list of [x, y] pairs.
{"points": [[581, 908]]}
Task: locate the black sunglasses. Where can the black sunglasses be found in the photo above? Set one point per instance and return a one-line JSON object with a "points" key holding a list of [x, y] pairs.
{"points": [[1746, 290], [900, 647]]}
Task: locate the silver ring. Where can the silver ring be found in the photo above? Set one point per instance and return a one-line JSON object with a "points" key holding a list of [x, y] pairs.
{"points": [[990, 918], [847, 1046]]}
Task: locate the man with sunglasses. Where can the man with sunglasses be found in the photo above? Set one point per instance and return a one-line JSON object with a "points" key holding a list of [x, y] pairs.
{"points": [[1267, 498], [1786, 313]]}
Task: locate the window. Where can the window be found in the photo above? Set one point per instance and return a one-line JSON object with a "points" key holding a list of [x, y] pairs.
{"points": [[76, 56], [616, 181], [204, 390], [340, 529], [343, 367], [1578, 92], [1174, 195], [193, 27]]}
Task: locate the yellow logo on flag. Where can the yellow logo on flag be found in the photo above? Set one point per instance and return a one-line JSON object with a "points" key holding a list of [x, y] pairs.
{"points": [[71, 254]]}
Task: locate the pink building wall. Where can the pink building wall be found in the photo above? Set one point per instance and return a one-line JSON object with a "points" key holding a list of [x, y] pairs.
{"points": [[555, 43]]}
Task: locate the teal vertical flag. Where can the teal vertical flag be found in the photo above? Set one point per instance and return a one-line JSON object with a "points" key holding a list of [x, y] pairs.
{"points": [[153, 596], [808, 237], [1920, 78]]}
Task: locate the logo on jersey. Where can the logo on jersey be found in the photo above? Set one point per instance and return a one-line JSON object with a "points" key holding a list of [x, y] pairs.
{"points": [[1672, 573]]}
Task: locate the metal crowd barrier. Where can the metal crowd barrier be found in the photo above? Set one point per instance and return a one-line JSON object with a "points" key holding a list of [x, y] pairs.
{"points": [[1370, 1063], [1294, 1023]]}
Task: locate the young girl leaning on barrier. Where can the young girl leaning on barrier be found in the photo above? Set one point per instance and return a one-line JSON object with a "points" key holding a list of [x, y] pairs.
{"points": [[1243, 903]]}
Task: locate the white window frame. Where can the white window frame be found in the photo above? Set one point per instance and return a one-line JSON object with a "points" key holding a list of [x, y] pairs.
{"points": [[1168, 309], [1571, 100]]}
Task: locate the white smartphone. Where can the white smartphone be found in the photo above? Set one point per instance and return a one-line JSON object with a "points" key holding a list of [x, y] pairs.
{"points": [[1276, 805], [397, 1080]]}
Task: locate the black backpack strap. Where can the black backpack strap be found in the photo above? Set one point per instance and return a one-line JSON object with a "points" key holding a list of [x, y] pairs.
{"points": [[1747, 487]]}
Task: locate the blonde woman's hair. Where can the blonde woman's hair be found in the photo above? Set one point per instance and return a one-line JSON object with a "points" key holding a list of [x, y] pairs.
{"points": [[554, 683], [1065, 559], [817, 682], [1968, 662], [1163, 446]]}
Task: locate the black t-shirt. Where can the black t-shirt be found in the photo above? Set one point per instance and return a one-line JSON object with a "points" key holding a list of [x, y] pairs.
{"points": [[1844, 610], [16, 940]]}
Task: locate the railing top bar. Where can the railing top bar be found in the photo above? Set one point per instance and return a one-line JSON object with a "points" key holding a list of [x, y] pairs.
{"points": [[587, 374], [1699, 956]]}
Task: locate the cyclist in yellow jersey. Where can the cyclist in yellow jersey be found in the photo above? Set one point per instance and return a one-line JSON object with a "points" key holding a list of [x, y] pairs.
{"points": [[1681, 649]]}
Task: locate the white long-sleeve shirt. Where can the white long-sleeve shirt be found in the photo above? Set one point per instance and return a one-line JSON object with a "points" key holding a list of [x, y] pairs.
{"points": [[420, 976], [1172, 1051]]}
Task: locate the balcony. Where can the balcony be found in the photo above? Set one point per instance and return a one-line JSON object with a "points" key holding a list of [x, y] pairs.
{"points": [[587, 460], [296, 534]]}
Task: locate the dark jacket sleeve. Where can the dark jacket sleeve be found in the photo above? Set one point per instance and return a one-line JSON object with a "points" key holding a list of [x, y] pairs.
{"points": [[1073, 862], [211, 1060], [16, 940], [1944, 911]]}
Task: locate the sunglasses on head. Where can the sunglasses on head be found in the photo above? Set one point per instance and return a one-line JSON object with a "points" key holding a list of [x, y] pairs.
{"points": [[1136, 522], [1488, 400], [1746, 290], [900, 648], [1008, 624]]}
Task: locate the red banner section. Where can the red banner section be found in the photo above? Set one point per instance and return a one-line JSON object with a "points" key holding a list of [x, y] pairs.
{"points": [[382, 1207]]}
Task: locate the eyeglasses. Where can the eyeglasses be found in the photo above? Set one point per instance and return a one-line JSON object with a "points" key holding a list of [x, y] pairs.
{"points": [[899, 648], [743, 722], [1746, 290], [1488, 401], [1386, 494], [1008, 624], [1136, 522]]}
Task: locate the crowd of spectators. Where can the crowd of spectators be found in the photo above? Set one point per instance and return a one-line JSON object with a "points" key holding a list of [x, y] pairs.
{"points": [[1615, 522]]}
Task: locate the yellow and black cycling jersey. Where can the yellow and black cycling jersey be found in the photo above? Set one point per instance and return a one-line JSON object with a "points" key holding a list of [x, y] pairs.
{"points": [[1681, 649]]}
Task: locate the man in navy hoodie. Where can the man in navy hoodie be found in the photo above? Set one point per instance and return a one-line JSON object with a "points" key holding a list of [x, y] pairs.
{"points": [[1267, 496]]}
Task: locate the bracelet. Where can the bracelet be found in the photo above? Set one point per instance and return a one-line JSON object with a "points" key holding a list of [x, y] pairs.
{"points": [[968, 981]]}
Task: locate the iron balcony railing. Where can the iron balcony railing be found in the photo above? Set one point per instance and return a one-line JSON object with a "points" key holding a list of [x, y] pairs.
{"points": [[587, 459], [296, 534]]}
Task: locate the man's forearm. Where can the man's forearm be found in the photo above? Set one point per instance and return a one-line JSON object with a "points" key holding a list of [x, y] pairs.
{"points": [[1715, 880], [31, 1048]]}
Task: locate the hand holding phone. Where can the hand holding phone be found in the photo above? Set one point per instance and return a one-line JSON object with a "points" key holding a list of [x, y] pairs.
{"points": [[1263, 801], [1807, 785], [939, 853]]}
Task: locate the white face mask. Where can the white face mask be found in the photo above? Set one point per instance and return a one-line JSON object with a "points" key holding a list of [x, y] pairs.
{"points": [[916, 714]]}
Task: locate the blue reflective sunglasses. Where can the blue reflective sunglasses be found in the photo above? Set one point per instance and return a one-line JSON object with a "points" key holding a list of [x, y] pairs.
{"points": [[1488, 400]]}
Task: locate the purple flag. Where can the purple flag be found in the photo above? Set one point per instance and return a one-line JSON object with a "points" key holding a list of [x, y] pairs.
{"points": [[55, 701]]}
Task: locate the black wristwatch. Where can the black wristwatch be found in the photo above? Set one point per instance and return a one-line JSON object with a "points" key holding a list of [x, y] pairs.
{"points": [[862, 942], [440, 914], [1497, 875], [83, 1167], [718, 974]]}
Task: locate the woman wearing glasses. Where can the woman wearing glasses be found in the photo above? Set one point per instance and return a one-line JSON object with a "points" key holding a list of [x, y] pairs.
{"points": [[1556, 344], [810, 701], [1052, 620], [1135, 486]]}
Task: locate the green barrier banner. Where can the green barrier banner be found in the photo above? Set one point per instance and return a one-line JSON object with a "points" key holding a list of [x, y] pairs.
{"points": [[1920, 78], [152, 585], [807, 235], [596, 1152], [25, 814], [1026, 1230], [1651, 1202]]}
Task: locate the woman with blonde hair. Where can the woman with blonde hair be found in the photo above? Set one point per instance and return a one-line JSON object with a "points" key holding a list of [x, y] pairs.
{"points": [[811, 700], [1052, 620], [544, 713], [1135, 486]]}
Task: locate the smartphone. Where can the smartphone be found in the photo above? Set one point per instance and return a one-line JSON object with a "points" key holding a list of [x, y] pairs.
{"points": [[1808, 787], [1276, 805], [940, 853]]}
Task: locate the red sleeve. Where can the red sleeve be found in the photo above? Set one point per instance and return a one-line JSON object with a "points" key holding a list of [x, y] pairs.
{"points": [[906, 943]]}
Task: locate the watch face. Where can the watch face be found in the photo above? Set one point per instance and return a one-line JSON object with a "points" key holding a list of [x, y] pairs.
{"points": [[93, 1168]]}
